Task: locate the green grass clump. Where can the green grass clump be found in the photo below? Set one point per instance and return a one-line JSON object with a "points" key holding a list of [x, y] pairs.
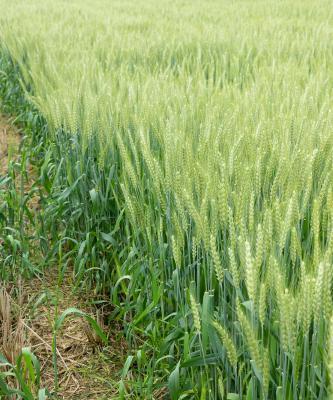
{"points": [[191, 174]]}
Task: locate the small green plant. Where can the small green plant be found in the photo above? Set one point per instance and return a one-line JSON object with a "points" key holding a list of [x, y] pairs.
{"points": [[22, 379]]}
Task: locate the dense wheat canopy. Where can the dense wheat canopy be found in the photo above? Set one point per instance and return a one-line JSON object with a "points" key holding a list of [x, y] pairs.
{"points": [[218, 118]]}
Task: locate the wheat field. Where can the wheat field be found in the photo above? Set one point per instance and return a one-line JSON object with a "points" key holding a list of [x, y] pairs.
{"points": [[195, 139]]}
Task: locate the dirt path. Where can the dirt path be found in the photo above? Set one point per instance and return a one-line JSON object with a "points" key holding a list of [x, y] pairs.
{"points": [[9, 143], [29, 309], [85, 369]]}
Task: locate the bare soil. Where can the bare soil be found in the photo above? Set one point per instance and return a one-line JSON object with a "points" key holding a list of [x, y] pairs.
{"points": [[10, 139]]}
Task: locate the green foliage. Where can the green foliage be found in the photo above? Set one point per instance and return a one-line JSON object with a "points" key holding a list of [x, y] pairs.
{"points": [[186, 161], [26, 376]]}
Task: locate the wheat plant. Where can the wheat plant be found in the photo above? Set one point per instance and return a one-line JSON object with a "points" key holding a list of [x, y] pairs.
{"points": [[192, 156]]}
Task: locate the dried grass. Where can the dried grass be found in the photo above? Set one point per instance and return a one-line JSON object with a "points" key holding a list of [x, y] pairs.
{"points": [[9, 143]]}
